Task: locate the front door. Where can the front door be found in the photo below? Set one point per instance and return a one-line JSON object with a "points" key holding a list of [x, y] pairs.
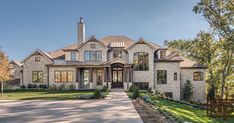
{"points": [[117, 77]]}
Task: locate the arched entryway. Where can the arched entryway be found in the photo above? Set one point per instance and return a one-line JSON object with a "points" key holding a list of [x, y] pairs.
{"points": [[117, 75]]}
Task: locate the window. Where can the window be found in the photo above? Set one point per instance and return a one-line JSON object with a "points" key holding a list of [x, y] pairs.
{"points": [[93, 55], [117, 53], [37, 59], [168, 94], [161, 76], [73, 56], [162, 54], [86, 77], [175, 76], [92, 46], [141, 61], [99, 77], [37, 76], [63, 76], [198, 76]]}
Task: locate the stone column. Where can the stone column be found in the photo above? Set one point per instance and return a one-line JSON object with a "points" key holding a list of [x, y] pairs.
{"points": [[78, 82], [105, 76], [91, 78], [110, 78]]}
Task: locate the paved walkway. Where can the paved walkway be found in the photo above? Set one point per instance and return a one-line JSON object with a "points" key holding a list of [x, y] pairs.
{"points": [[117, 108]]}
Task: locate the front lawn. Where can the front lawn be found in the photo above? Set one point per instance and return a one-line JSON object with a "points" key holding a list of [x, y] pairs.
{"points": [[187, 113], [44, 95]]}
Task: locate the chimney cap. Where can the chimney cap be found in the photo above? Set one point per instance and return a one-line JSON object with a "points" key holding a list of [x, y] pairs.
{"points": [[81, 20]]}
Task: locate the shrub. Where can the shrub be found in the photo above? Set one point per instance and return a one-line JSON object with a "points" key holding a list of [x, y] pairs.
{"points": [[86, 96], [104, 88], [72, 87], [97, 94], [136, 93], [23, 87], [42, 86], [62, 87], [34, 86], [187, 91], [144, 97], [132, 88], [53, 87], [30, 86], [149, 90]]}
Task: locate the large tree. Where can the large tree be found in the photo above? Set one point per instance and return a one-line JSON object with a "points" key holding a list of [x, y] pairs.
{"points": [[4, 69], [220, 15]]}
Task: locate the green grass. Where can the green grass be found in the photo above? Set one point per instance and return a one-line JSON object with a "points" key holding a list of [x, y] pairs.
{"points": [[187, 113], [43, 95]]}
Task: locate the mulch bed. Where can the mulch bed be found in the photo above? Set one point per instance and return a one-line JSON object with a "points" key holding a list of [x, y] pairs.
{"points": [[148, 114]]}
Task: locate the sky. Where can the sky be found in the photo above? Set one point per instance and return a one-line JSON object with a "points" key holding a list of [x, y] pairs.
{"points": [[26, 25]]}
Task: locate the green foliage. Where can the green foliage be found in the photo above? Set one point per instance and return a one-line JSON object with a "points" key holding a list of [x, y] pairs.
{"points": [[30, 86], [104, 89], [149, 90], [132, 88], [34, 86], [43, 86], [72, 87], [62, 87], [136, 93], [23, 87], [97, 94], [53, 87], [187, 91]]}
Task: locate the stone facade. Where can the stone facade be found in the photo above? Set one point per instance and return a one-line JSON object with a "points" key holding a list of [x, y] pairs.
{"points": [[199, 87]]}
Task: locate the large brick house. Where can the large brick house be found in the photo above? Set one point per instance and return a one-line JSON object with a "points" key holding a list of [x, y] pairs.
{"points": [[116, 62]]}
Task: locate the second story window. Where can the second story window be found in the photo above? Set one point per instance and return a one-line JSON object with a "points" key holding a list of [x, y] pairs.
{"points": [[92, 55], [141, 61], [37, 59], [198, 76], [162, 54], [73, 56], [117, 53]]}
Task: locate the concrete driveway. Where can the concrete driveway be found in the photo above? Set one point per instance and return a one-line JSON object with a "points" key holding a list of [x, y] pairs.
{"points": [[117, 108]]}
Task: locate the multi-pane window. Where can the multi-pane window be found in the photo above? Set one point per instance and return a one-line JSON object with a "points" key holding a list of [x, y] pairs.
{"points": [[73, 56], [117, 53], [37, 59], [86, 77], [37, 76], [92, 55], [198, 76], [63, 76], [141, 61], [99, 77], [175, 76], [161, 76]]}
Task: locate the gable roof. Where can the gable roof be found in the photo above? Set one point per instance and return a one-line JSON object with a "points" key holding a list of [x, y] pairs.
{"points": [[187, 63], [117, 60], [142, 41], [16, 63], [92, 39], [40, 52], [59, 53], [117, 39]]}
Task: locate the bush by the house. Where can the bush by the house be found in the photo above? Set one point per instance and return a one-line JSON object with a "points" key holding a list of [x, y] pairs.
{"points": [[30, 86], [72, 87], [132, 88], [104, 89], [86, 96], [53, 87], [187, 91], [97, 94], [42, 86], [34, 86], [136, 93], [62, 87], [149, 90], [23, 87]]}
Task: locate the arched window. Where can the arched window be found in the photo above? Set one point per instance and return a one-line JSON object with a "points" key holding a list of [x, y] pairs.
{"points": [[198, 76], [141, 61]]}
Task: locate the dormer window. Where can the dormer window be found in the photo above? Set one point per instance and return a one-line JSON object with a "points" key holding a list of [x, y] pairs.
{"points": [[73, 56], [162, 54], [37, 59], [117, 53]]}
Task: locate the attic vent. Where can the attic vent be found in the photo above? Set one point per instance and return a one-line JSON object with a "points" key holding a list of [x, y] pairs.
{"points": [[117, 44]]}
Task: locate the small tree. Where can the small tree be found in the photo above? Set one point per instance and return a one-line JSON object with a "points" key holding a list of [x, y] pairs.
{"points": [[188, 91], [4, 69]]}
